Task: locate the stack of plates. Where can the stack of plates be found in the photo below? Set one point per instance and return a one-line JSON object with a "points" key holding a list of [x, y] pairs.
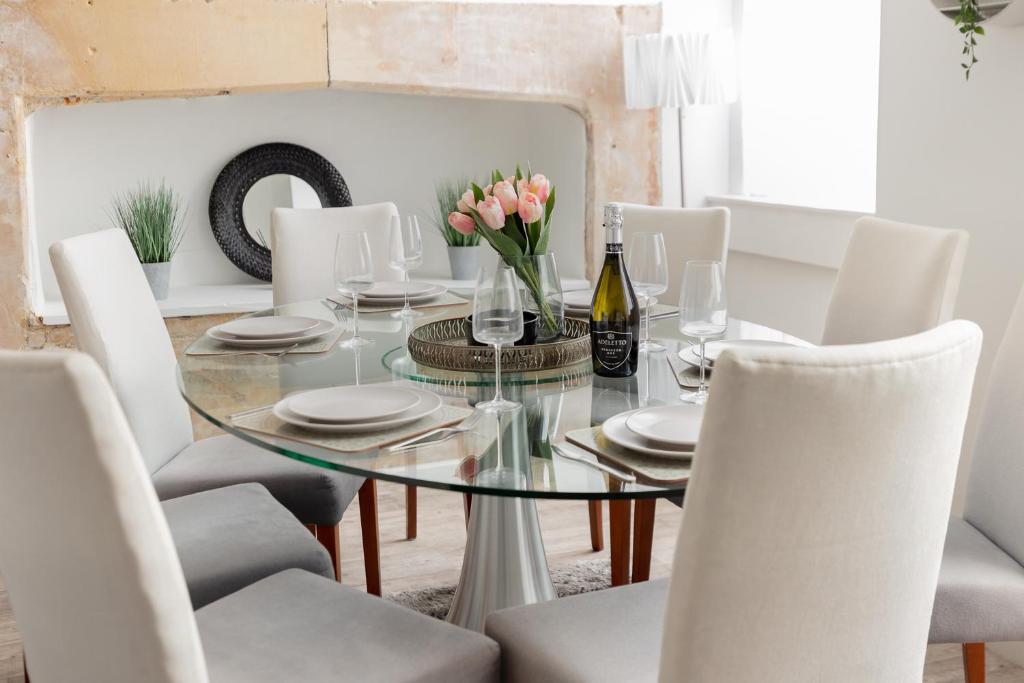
{"points": [[665, 431], [351, 410], [577, 303], [712, 350], [275, 330], [393, 293]]}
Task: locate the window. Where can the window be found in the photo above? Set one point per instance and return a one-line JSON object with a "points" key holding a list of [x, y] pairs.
{"points": [[809, 83]]}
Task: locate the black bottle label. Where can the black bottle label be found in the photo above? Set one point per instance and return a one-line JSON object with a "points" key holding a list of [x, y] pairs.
{"points": [[611, 348]]}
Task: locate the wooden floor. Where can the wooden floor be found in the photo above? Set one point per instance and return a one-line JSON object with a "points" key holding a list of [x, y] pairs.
{"points": [[436, 557]]}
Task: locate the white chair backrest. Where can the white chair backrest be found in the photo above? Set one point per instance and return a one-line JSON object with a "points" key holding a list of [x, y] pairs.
{"points": [[816, 512], [896, 279], [85, 551], [995, 488], [303, 240], [117, 321], [690, 234]]}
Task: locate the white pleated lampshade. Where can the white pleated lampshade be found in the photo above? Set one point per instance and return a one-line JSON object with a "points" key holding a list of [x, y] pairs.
{"points": [[679, 70]]}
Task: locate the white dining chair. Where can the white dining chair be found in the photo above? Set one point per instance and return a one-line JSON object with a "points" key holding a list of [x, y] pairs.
{"points": [[98, 591], [117, 321], [303, 241], [690, 234], [980, 598], [896, 279], [811, 539]]}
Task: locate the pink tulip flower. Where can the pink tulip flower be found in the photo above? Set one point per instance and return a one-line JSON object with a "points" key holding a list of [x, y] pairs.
{"points": [[491, 212], [467, 202], [506, 195], [487, 190], [462, 223], [531, 208], [540, 186]]}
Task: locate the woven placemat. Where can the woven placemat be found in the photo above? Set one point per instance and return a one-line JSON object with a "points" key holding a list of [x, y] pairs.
{"points": [[446, 299], [264, 422], [649, 469], [208, 346], [687, 376]]}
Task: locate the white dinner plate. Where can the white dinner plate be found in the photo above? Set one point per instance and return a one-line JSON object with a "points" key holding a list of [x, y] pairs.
{"points": [[398, 300], [712, 350], [578, 299], [366, 403], [396, 290], [322, 327], [676, 426], [268, 327], [616, 431], [428, 404]]}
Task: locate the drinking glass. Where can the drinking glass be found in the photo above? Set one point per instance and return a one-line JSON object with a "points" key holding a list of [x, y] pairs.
{"points": [[702, 312], [497, 320], [406, 254], [647, 265], [353, 274]]}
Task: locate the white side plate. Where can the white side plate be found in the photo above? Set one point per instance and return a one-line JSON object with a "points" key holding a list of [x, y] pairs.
{"points": [[366, 403]]}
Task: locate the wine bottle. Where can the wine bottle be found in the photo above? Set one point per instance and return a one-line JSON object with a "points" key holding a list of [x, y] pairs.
{"points": [[614, 312]]}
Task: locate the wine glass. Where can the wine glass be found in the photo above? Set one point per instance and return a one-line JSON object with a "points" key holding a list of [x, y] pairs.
{"points": [[702, 312], [497, 320], [406, 254], [647, 265], [353, 274]]}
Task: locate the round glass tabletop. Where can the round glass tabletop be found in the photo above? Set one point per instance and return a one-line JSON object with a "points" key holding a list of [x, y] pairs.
{"points": [[515, 454]]}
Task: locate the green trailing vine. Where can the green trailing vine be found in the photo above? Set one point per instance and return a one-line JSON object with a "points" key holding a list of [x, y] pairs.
{"points": [[968, 21]]}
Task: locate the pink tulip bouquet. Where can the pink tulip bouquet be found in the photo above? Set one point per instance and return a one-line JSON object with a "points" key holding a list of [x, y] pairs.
{"points": [[513, 214]]}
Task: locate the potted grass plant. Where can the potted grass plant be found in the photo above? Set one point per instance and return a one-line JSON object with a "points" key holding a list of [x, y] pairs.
{"points": [[463, 246], [153, 217]]}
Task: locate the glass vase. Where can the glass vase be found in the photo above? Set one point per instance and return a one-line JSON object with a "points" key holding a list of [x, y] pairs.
{"points": [[542, 293]]}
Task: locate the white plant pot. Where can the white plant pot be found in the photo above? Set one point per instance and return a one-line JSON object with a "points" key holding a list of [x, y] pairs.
{"points": [[464, 262], [159, 277]]}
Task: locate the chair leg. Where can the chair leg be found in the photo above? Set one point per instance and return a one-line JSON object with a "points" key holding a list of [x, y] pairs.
{"points": [[467, 506], [596, 525], [24, 666], [329, 536], [618, 532], [410, 513], [974, 662], [643, 539], [371, 535]]}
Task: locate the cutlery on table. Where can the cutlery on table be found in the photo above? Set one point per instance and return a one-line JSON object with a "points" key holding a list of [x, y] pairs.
{"points": [[265, 354], [576, 457], [444, 433]]}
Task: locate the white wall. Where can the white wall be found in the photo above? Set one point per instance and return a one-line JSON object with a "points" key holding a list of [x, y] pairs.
{"points": [[387, 147], [950, 154]]}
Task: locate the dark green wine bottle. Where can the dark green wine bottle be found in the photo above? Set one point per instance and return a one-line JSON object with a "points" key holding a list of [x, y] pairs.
{"points": [[614, 312]]}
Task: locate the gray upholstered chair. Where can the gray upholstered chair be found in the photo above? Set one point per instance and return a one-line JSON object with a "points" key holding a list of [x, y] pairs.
{"points": [[116, 321], [98, 591], [811, 539], [980, 597]]}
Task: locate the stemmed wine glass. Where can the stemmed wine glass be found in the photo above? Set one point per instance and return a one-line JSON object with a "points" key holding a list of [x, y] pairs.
{"points": [[497, 320], [648, 269], [353, 274], [406, 254], [702, 312]]}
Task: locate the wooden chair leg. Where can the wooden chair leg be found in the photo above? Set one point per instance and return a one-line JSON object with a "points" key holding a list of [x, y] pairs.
{"points": [[596, 525], [467, 506], [410, 513], [974, 662], [312, 529], [329, 536], [371, 535], [643, 539], [618, 533], [24, 666]]}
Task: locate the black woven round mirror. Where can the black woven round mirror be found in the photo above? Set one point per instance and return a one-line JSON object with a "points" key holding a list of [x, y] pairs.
{"points": [[260, 178]]}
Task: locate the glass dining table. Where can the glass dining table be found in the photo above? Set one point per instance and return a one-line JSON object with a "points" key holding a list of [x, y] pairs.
{"points": [[505, 462]]}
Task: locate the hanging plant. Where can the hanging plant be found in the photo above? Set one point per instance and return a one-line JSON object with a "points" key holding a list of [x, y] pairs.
{"points": [[968, 21]]}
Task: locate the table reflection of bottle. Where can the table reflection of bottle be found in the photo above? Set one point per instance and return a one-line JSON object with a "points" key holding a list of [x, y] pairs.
{"points": [[611, 396]]}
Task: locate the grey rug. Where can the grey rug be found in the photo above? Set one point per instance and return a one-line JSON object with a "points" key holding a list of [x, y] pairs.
{"points": [[583, 577]]}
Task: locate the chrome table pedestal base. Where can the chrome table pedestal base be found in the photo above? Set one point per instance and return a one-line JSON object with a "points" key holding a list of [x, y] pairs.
{"points": [[504, 564]]}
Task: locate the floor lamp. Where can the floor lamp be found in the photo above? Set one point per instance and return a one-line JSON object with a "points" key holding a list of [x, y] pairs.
{"points": [[679, 71]]}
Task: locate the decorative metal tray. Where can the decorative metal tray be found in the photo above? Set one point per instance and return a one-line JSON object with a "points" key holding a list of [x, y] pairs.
{"points": [[443, 344]]}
